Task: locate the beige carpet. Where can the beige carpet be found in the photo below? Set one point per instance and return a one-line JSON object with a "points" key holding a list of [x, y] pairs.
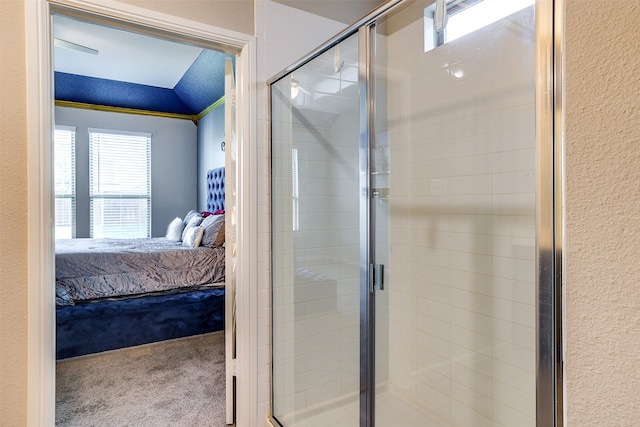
{"points": [[174, 383]]}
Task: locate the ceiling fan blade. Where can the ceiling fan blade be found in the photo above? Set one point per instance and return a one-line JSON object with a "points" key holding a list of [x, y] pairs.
{"points": [[74, 46]]}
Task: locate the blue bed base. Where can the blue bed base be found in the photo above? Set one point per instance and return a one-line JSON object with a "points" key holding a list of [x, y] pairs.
{"points": [[92, 327]]}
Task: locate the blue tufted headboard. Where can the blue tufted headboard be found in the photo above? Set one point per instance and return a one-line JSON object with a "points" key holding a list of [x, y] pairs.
{"points": [[215, 189]]}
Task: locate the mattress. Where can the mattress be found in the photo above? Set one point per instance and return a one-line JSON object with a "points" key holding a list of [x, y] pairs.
{"points": [[89, 269]]}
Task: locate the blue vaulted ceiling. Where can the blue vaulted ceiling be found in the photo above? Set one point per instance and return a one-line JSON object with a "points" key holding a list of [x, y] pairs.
{"points": [[200, 86], [197, 88]]}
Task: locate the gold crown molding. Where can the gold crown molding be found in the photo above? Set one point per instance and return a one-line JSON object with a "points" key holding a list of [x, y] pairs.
{"points": [[71, 104], [210, 108]]}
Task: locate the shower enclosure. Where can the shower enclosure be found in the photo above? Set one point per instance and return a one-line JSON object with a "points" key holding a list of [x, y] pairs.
{"points": [[413, 221]]}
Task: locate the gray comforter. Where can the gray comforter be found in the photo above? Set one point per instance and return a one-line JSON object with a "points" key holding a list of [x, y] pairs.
{"points": [[99, 268]]}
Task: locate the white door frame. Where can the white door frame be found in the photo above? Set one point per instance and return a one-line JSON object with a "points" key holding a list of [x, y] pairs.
{"points": [[41, 293]]}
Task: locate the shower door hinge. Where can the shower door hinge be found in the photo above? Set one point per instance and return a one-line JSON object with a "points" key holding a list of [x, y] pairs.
{"points": [[231, 365], [380, 193], [377, 277]]}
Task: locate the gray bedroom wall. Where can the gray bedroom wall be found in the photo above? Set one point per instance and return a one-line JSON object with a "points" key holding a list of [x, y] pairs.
{"points": [[210, 155], [174, 152]]}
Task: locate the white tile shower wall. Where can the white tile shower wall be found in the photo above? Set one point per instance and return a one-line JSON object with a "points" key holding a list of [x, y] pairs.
{"points": [[283, 36], [502, 288], [462, 292], [323, 355]]}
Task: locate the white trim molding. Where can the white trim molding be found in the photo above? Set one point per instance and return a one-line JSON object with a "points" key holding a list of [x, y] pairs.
{"points": [[221, 38], [40, 104], [41, 298], [247, 242]]}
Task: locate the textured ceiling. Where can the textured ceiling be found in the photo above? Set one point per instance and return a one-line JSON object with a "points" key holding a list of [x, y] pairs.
{"points": [[347, 11], [121, 55], [117, 68]]}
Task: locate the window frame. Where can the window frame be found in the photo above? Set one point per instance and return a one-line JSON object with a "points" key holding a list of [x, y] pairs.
{"points": [[97, 195], [72, 130], [434, 38]]}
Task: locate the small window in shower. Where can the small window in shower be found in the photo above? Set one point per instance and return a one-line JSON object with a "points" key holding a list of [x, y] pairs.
{"points": [[465, 17]]}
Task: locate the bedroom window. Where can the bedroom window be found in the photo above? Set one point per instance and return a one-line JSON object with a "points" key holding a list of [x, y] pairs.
{"points": [[64, 154], [120, 184]]}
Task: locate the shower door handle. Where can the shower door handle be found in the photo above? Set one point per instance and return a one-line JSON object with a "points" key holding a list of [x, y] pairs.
{"points": [[377, 277], [440, 15]]}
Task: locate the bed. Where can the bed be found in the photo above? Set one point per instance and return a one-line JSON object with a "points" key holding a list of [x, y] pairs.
{"points": [[116, 293]]}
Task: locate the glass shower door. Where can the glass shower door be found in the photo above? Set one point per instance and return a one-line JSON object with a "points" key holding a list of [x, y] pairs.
{"points": [[454, 159], [404, 224], [315, 243]]}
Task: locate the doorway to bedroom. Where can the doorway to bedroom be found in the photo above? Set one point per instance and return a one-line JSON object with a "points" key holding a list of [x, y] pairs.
{"points": [[139, 170]]}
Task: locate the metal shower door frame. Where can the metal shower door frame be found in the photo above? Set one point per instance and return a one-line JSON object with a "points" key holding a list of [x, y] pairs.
{"points": [[549, 239], [366, 84]]}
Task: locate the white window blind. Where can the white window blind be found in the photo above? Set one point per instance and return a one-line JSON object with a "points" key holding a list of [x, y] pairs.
{"points": [[64, 154], [120, 184]]}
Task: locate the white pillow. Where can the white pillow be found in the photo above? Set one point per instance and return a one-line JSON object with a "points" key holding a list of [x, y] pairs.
{"points": [[189, 215], [193, 236], [194, 221], [174, 230]]}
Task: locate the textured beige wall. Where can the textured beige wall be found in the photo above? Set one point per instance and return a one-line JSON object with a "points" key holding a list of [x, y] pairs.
{"points": [[13, 216], [236, 15], [603, 212]]}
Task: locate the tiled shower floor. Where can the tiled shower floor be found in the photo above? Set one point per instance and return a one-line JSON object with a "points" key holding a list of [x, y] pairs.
{"points": [[391, 411]]}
